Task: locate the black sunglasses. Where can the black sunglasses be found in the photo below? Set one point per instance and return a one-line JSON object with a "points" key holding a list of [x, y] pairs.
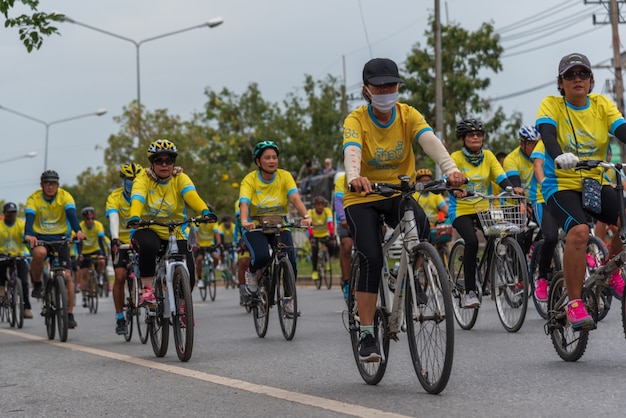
{"points": [[571, 75], [166, 161]]}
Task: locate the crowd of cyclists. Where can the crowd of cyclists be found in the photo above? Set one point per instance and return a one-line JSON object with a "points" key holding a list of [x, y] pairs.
{"points": [[377, 147]]}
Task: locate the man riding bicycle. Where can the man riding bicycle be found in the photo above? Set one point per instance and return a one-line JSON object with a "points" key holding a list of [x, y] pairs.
{"points": [[322, 229], [92, 249]]}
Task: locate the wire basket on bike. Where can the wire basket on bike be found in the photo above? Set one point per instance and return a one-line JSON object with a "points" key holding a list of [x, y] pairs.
{"points": [[502, 215]]}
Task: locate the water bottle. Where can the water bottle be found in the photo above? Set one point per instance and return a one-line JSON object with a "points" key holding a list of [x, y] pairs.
{"points": [[393, 275]]}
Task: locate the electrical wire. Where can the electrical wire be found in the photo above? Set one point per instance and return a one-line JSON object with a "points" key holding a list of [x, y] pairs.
{"points": [[538, 16]]}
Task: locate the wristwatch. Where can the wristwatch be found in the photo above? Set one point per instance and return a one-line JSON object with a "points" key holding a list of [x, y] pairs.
{"points": [[307, 216]]}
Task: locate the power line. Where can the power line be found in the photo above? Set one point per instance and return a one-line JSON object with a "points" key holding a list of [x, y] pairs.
{"points": [[538, 16], [523, 92], [570, 37], [551, 32], [562, 22]]}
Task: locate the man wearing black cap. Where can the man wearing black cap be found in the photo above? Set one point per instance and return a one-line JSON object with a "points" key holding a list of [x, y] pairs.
{"points": [[576, 126], [378, 147], [12, 243]]}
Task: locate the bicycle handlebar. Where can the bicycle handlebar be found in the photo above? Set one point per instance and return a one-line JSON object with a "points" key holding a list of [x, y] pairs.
{"points": [[171, 225], [390, 189]]}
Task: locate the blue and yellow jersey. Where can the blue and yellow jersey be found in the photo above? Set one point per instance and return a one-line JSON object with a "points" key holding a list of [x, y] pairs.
{"points": [[518, 164], [91, 242], [164, 202], [430, 203], [267, 197], [50, 216], [534, 193], [319, 222], [339, 192], [227, 233], [583, 131], [386, 150], [206, 235], [480, 178], [12, 238], [116, 202]]}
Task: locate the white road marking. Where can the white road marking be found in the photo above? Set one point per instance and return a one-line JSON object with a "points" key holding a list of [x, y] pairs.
{"points": [[300, 398]]}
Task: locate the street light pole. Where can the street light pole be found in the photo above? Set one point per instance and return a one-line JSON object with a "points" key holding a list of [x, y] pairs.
{"points": [[30, 154], [98, 112], [210, 24]]}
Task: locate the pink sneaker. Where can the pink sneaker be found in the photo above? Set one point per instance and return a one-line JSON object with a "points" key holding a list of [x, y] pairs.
{"points": [[578, 316], [541, 290], [616, 284], [147, 296]]}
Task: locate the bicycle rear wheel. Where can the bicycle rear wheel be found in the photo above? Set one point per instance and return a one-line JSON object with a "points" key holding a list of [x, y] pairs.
{"points": [[430, 326], [321, 270], [49, 308], [92, 299], [371, 372], [159, 327], [60, 295], [17, 304], [570, 345], [509, 276], [182, 321], [533, 269], [9, 301], [328, 273], [141, 312], [465, 317], [129, 309], [212, 285], [286, 298]]}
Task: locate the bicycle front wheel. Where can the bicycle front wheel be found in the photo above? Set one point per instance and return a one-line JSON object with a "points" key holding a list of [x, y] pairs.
{"points": [[17, 303], [429, 319], [260, 310], [509, 276], [60, 295], [570, 345], [597, 254], [286, 298], [49, 308], [129, 309], [371, 372], [158, 326], [328, 273], [465, 317], [211, 284], [92, 299], [182, 322]]}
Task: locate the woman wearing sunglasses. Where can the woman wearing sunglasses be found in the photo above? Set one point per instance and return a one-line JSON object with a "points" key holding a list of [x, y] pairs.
{"points": [[160, 192], [576, 126]]}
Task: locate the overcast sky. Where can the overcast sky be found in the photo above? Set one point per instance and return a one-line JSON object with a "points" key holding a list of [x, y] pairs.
{"points": [[273, 43]]}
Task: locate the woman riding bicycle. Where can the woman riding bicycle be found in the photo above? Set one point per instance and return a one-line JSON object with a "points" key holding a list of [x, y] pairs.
{"points": [[160, 192], [378, 147], [482, 169], [576, 126], [322, 229], [266, 193]]}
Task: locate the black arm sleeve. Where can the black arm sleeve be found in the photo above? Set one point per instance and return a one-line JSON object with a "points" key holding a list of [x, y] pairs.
{"points": [[548, 136], [516, 181], [620, 133], [505, 183]]}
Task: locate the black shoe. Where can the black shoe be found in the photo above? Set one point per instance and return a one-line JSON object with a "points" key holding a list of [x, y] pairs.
{"points": [[84, 303], [368, 349], [121, 327], [71, 322], [37, 290]]}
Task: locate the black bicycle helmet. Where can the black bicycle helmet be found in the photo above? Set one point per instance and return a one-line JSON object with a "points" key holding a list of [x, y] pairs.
{"points": [[467, 126], [50, 175], [89, 211], [226, 218]]}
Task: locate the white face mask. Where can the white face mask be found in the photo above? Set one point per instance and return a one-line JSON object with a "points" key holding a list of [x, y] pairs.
{"points": [[383, 102]]}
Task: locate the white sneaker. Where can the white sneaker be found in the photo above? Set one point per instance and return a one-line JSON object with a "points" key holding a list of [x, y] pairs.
{"points": [[288, 307], [220, 267], [200, 284], [252, 281], [471, 300]]}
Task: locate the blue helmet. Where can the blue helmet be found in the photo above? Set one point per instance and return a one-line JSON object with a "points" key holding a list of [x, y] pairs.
{"points": [[262, 146], [529, 133]]}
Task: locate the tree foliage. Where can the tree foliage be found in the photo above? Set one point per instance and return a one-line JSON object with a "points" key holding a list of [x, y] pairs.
{"points": [[33, 27]]}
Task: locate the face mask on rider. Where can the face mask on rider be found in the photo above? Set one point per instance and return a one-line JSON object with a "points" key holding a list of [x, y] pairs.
{"points": [[383, 102], [128, 186]]}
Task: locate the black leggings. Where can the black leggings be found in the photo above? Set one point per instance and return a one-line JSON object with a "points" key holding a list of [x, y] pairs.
{"points": [[148, 246], [258, 244], [550, 232], [365, 228], [464, 225]]}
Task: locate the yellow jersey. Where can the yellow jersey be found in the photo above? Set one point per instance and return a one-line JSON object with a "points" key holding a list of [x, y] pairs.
{"points": [[228, 234], [50, 216], [518, 164], [430, 203], [12, 238], [267, 197], [117, 203], [534, 193], [319, 222], [91, 242]]}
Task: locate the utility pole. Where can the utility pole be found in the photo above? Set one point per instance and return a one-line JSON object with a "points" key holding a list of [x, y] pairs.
{"points": [[438, 82], [614, 18]]}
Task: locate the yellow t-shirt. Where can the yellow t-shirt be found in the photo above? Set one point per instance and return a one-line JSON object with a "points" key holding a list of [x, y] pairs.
{"points": [[228, 234], [12, 238], [518, 164], [480, 178], [164, 202], [116, 202], [90, 243], [267, 197], [534, 193], [206, 235], [430, 203], [319, 222], [386, 150], [592, 125], [50, 217]]}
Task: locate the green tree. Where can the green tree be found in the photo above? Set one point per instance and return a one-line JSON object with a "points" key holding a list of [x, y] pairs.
{"points": [[32, 27]]}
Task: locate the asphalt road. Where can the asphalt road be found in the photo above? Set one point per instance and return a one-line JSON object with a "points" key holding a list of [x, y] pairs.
{"points": [[234, 373]]}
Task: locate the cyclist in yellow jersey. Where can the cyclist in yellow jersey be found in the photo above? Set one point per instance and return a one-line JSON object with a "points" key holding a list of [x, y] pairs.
{"points": [[481, 169], [227, 232], [161, 192], [11, 243], [378, 147], [267, 192], [322, 228], [118, 213], [92, 247], [431, 203], [208, 243], [50, 213], [345, 239], [243, 260], [576, 126]]}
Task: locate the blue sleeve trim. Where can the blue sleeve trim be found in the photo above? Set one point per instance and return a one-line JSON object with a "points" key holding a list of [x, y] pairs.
{"points": [[417, 136], [292, 191], [500, 178], [138, 197], [187, 189], [347, 144], [616, 125]]}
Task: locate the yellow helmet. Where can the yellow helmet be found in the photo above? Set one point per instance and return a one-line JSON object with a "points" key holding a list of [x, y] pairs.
{"points": [[423, 172], [130, 170], [162, 146]]}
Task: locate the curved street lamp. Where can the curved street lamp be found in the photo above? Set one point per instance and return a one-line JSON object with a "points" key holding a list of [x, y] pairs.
{"points": [[210, 24], [30, 154], [98, 112]]}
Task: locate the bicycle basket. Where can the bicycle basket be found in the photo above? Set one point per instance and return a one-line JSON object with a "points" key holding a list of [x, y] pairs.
{"points": [[441, 233], [502, 215]]}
